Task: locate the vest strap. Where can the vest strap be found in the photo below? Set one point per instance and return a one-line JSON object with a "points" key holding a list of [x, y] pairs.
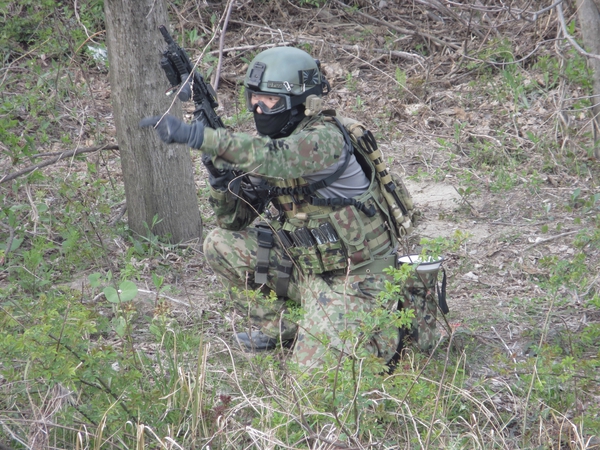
{"points": [[311, 188], [285, 266], [338, 201]]}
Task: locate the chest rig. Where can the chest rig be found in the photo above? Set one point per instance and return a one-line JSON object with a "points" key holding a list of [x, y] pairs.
{"points": [[328, 235]]}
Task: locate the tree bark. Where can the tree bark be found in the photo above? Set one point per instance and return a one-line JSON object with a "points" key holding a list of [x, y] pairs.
{"points": [[588, 12], [159, 179]]}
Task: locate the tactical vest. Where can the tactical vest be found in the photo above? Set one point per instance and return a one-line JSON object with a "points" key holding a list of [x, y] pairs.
{"points": [[324, 235]]}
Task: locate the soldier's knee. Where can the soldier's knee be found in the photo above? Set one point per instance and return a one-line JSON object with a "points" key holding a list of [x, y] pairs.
{"points": [[211, 245]]}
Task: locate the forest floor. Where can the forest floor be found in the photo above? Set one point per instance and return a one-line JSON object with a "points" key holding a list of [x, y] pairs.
{"points": [[495, 148], [479, 147], [463, 141]]}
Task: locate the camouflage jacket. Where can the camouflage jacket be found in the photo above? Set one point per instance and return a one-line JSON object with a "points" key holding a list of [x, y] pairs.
{"points": [[312, 146], [316, 143]]}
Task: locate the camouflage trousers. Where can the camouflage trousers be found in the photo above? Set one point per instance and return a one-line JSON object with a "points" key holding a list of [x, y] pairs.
{"points": [[331, 304]]}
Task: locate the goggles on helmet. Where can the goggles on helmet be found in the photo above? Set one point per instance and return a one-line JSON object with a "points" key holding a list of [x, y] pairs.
{"points": [[268, 102]]}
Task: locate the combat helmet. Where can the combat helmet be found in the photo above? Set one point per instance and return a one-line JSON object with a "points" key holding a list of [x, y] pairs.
{"points": [[285, 72]]}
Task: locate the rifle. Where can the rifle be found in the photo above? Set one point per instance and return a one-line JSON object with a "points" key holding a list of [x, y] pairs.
{"points": [[181, 74]]}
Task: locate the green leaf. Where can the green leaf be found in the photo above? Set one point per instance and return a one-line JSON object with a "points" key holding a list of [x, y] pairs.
{"points": [[119, 325], [127, 291], [15, 244], [111, 294], [94, 279], [157, 280]]}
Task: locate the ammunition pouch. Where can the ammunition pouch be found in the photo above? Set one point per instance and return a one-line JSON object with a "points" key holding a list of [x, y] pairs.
{"points": [[284, 269]]}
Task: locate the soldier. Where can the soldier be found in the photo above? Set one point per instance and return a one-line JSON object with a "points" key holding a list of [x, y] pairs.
{"points": [[327, 237]]}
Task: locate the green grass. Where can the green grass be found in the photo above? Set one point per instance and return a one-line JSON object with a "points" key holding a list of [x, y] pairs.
{"points": [[147, 368]]}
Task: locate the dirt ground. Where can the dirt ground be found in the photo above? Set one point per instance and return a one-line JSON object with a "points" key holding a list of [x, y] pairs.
{"points": [[431, 111]]}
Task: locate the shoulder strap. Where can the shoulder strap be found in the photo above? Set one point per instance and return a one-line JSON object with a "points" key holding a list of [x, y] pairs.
{"points": [[349, 149]]}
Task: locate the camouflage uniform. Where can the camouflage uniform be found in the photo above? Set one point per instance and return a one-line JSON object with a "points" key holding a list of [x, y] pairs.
{"points": [[339, 215], [329, 299]]}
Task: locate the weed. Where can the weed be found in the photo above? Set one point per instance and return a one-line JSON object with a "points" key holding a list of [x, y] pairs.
{"points": [[351, 82], [359, 104], [242, 115], [400, 77], [503, 180], [313, 3], [469, 186]]}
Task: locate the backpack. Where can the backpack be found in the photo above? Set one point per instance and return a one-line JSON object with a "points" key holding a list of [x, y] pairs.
{"points": [[399, 201], [420, 291]]}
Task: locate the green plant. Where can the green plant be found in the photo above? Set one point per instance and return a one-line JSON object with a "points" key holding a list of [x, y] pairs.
{"points": [[351, 82], [503, 180], [313, 3], [469, 187], [242, 115], [436, 247], [106, 387], [400, 77], [359, 105]]}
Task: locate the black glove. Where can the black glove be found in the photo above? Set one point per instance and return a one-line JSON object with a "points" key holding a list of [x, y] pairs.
{"points": [[218, 178], [222, 183], [170, 129]]}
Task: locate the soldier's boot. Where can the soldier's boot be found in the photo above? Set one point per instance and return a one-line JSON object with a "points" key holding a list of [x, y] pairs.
{"points": [[257, 341]]}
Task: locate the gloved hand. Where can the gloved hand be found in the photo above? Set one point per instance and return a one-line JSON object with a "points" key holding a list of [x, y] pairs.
{"points": [[218, 178], [170, 129]]}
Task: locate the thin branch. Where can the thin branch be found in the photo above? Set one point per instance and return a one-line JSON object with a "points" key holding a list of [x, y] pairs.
{"points": [[568, 37], [304, 39], [60, 156], [222, 43], [444, 9], [543, 241], [401, 30]]}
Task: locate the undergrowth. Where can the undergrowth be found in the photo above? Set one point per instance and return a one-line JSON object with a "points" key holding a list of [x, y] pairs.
{"points": [[95, 351]]}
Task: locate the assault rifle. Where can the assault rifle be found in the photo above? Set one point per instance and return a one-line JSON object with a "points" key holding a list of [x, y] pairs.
{"points": [[188, 83]]}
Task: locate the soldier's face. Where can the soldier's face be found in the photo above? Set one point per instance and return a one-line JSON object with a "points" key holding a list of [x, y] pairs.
{"points": [[268, 100]]}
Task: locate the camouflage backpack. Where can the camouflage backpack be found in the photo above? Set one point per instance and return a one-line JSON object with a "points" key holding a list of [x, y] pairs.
{"points": [[422, 293], [400, 204]]}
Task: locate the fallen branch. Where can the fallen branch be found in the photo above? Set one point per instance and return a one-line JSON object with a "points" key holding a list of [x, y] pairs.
{"points": [[543, 241], [401, 30], [304, 40], [60, 156]]}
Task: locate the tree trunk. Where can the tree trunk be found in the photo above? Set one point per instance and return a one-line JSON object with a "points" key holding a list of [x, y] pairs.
{"points": [[588, 12], [159, 179]]}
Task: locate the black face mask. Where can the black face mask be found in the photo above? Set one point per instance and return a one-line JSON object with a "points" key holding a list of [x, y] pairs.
{"points": [[271, 124]]}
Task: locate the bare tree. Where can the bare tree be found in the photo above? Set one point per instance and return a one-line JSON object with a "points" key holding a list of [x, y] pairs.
{"points": [[589, 19], [159, 179]]}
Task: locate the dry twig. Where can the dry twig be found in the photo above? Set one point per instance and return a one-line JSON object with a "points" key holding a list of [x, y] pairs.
{"points": [[60, 156], [402, 30]]}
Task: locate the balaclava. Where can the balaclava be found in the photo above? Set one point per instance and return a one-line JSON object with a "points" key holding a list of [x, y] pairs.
{"points": [[279, 125]]}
